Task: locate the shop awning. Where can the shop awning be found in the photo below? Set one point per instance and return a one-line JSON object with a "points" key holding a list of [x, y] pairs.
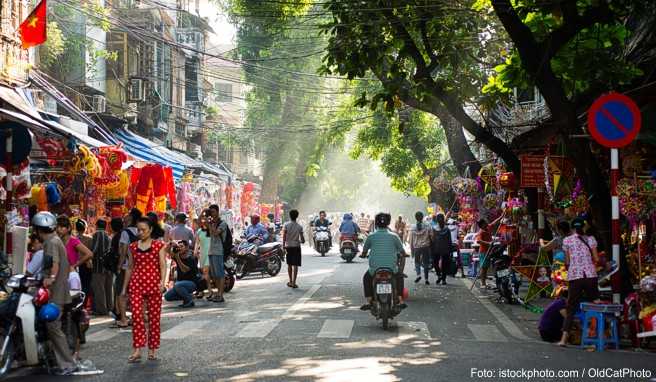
{"points": [[82, 138], [145, 150], [191, 163]]}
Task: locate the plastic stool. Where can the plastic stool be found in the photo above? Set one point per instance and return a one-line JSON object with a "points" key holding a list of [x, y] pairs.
{"points": [[601, 313]]}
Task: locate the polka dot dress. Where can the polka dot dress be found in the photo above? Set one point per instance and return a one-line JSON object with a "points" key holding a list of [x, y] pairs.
{"points": [[145, 285]]}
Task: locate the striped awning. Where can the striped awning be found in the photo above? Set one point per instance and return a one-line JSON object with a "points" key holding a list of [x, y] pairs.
{"points": [[144, 149]]}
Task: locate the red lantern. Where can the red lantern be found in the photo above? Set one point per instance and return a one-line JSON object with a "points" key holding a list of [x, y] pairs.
{"points": [[507, 179]]}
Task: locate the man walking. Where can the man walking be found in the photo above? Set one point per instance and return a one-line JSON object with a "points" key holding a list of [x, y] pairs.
{"points": [[218, 234], [292, 237], [102, 279], [420, 246]]}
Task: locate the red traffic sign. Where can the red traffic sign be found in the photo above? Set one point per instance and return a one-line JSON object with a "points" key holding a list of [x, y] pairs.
{"points": [[614, 120]]}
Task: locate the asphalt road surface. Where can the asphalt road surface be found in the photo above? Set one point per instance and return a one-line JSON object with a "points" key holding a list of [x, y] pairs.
{"points": [[268, 332]]}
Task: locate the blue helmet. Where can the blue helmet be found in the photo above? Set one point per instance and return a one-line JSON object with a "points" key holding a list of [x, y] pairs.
{"points": [[49, 312]]}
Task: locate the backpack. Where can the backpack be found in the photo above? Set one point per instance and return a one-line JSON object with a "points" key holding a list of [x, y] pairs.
{"points": [[110, 259], [443, 243], [227, 243]]}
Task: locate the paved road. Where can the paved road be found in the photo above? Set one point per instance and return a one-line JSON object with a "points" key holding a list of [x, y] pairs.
{"points": [[268, 332]]}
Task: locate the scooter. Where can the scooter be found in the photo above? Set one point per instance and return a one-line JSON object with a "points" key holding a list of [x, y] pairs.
{"points": [[386, 300], [505, 278], [230, 270], [348, 247], [250, 258], [24, 337], [322, 240]]}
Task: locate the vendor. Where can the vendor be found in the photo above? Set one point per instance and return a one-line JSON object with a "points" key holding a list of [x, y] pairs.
{"points": [[551, 321]]}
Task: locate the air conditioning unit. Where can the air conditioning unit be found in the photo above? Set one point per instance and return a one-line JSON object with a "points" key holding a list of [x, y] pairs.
{"points": [[98, 104], [136, 90]]}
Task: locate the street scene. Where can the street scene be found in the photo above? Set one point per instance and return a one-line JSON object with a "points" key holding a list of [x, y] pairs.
{"points": [[327, 190]]}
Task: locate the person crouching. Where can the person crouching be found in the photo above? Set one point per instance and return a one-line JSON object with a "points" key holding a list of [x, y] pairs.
{"points": [[187, 275]]}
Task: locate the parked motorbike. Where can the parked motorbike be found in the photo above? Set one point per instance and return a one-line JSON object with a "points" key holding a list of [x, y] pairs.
{"points": [[348, 247], [386, 300], [24, 337], [230, 270], [506, 279], [252, 258], [322, 240]]}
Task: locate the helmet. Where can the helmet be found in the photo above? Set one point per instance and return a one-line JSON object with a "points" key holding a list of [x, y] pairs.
{"points": [[44, 219], [383, 219], [41, 297], [49, 312]]}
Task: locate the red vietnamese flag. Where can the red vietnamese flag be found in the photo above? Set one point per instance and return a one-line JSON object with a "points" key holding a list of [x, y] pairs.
{"points": [[33, 29]]}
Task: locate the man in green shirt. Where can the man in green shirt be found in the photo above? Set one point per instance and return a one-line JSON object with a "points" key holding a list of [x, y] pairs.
{"points": [[383, 248]]}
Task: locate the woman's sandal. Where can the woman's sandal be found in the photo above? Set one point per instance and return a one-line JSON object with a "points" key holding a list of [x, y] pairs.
{"points": [[290, 285], [295, 286], [134, 359], [152, 357]]}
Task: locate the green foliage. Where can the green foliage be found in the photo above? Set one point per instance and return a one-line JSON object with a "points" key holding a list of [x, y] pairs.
{"points": [[592, 58], [50, 51]]}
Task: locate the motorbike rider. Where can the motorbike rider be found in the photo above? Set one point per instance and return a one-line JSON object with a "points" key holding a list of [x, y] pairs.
{"points": [[386, 252], [55, 270], [257, 229], [349, 228], [323, 221]]}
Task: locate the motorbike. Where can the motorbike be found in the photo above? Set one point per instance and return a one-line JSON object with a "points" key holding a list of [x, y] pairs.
{"points": [[230, 270], [505, 278], [251, 257], [322, 240], [24, 337], [386, 300], [348, 247]]}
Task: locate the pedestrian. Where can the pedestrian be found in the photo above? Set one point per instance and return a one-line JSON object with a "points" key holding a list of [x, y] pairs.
{"points": [[102, 279], [218, 234], [117, 269], [187, 277], [85, 268], [454, 228], [77, 253], [35, 263], [128, 236], [420, 246], [180, 231], [484, 241], [145, 283], [167, 224], [400, 228], [442, 248], [56, 280], [580, 258], [202, 249], [293, 238]]}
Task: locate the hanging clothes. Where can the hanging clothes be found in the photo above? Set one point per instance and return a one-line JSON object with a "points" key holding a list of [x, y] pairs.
{"points": [[152, 188]]}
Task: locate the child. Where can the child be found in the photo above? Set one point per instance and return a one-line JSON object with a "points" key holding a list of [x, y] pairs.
{"points": [[35, 263]]}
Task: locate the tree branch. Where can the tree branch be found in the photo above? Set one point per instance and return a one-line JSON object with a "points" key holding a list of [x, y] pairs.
{"points": [[409, 43]]}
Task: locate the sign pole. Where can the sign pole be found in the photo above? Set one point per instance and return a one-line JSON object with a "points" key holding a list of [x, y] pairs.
{"points": [[541, 224], [615, 211]]}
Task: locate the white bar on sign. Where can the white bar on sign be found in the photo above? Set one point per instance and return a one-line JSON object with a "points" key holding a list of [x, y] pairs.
{"points": [[614, 159], [336, 329], [615, 207]]}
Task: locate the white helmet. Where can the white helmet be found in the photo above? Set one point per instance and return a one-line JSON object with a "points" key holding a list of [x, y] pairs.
{"points": [[44, 219]]}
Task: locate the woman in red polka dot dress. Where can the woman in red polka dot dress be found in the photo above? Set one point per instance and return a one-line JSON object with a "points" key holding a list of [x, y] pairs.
{"points": [[144, 282]]}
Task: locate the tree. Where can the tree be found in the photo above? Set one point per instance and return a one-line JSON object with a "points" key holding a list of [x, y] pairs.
{"points": [[429, 54], [554, 44]]}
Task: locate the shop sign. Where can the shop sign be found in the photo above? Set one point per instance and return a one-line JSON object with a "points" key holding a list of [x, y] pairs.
{"points": [[532, 175]]}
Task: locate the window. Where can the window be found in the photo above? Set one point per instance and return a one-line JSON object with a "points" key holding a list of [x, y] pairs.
{"points": [[223, 92], [525, 95]]}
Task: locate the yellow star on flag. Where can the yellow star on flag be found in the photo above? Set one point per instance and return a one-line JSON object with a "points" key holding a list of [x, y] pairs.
{"points": [[32, 22]]}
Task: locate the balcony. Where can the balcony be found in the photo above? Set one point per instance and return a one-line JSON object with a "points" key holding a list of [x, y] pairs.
{"points": [[192, 38]]}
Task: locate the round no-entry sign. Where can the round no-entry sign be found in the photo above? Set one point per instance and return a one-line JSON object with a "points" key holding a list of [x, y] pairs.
{"points": [[614, 120]]}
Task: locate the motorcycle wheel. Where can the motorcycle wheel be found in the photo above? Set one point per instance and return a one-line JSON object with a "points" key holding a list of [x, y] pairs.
{"points": [[506, 293], [241, 270], [7, 355], [384, 315], [273, 266], [229, 283]]}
